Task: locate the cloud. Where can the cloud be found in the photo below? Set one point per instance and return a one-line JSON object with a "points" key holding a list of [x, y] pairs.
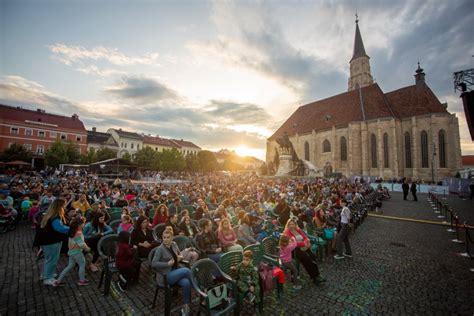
{"points": [[101, 72], [141, 90], [237, 113], [70, 54]]}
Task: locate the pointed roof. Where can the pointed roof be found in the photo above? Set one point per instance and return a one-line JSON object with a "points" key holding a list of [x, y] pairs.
{"points": [[359, 50]]}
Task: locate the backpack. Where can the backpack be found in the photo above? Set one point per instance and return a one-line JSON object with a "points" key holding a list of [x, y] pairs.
{"points": [[266, 274]]}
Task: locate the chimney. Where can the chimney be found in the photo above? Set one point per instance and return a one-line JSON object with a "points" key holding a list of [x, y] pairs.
{"points": [[38, 110], [75, 116], [94, 129]]}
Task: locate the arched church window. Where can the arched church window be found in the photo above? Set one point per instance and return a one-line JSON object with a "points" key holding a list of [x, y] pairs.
{"points": [[442, 148], [385, 150], [373, 150], [326, 146], [343, 149], [306, 151], [424, 149], [407, 150]]}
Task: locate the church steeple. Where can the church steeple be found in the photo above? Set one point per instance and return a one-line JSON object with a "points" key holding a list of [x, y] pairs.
{"points": [[360, 75]]}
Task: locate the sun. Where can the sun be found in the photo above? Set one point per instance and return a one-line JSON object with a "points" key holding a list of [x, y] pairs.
{"points": [[246, 151]]}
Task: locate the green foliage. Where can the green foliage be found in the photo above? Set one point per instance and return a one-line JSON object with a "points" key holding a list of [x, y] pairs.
{"points": [[56, 155], [170, 160], [192, 162], [207, 161], [89, 157], [105, 153], [146, 157], [127, 157], [16, 152]]}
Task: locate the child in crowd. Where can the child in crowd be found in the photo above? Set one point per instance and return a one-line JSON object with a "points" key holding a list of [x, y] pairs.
{"points": [[32, 213], [126, 212], [76, 247], [126, 262], [26, 206], [247, 279], [126, 225], [287, 245]]}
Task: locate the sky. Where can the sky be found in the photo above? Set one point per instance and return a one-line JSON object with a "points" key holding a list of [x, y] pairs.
{"points": [[222, 74]]}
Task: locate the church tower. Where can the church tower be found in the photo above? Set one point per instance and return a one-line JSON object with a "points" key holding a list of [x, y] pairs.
{"points": [[360, 75]]}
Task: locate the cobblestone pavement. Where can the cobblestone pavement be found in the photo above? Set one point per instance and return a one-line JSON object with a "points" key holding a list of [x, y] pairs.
{"points": [[398, 268]]}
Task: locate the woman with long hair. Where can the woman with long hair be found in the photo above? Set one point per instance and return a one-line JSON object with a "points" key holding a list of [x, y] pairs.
{"points": [[93, 232], [303, 250], [161, 215], [53, 230], [142, 237], [227, 236]]}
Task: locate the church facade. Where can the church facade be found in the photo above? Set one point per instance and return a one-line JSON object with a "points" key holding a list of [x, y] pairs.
{"points": [[366, 132]]}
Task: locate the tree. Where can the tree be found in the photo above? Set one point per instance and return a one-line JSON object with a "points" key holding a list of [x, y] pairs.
{"points": [[89, 157], [127, 157], [146, 157], [16, 152], [192, 162], [72, 152], [56, 155], [170, 160], [207, 160], [105, 153]]}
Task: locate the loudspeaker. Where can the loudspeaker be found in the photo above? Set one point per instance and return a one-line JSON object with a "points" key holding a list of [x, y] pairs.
{"points": [[468, 102]]}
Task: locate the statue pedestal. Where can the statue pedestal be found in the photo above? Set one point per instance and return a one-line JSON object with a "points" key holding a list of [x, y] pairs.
{"points": [[285, 165]]}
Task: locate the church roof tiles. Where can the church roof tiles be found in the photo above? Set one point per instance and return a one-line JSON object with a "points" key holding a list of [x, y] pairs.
{"points": [[352, 106]]}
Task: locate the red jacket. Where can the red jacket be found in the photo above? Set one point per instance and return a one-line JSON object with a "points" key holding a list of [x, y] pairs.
{"points": [[124, 258], [301, 243]]}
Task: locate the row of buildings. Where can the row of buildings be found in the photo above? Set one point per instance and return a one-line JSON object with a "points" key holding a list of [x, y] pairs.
{"points": [[38, 130]]}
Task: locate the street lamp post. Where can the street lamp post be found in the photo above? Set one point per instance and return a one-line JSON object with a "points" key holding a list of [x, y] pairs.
{"points": [[432, 163]]}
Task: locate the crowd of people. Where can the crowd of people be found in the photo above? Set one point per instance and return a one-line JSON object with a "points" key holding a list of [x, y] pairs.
{"points": [[217, 212]]}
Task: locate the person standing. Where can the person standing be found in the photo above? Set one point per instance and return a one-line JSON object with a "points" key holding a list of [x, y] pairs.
{"points": [[471, 186], [413, 190], [405, 188], [51, 234], [343, 233]]}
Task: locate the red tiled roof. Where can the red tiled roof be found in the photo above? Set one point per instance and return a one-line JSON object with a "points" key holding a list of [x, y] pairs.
{"points": [[468, 160], [413, 101], [159, 141], [185, 143], [347, 107], [40, 118]]}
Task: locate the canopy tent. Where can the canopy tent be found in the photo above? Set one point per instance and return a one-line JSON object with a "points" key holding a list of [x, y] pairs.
{"points": [[18, 163], [113, 167]]}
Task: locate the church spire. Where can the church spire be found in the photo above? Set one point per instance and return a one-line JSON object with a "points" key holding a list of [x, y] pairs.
{"points": [[359, 49], [360, 75]]}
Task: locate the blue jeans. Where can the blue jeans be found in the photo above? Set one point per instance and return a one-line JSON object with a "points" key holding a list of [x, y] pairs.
{"points": [[73, 259], [182, 277], [214, 257], [51, 257]]}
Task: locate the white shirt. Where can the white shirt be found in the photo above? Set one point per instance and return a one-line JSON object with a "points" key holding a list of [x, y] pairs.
{"points": [[345, 215]]}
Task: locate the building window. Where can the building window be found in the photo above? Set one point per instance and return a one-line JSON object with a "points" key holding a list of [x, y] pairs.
{"points": [[125, 145], [28, 132], [78, 138], [27, 146], [306, 151], [10, 144], [407, 150], [63, 136], [424, 149], [373, 150], [15, 130], [326, 146], [343, 149], [385, 150], [53, 134], [121, 145], [131, 146], [42, 134], [138, 146], [40, 149], [156, 149], [442, 148]]}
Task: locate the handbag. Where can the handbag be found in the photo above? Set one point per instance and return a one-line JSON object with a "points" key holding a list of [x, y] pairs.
{"points": [[217, 295]]}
